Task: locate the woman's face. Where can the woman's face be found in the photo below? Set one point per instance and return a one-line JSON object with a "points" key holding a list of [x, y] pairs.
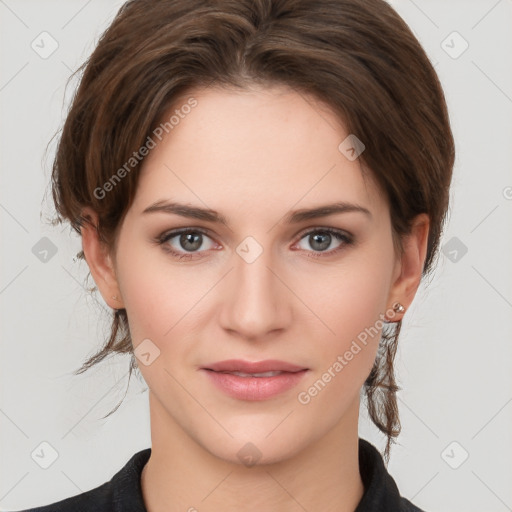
{"points": [[261, 286]]}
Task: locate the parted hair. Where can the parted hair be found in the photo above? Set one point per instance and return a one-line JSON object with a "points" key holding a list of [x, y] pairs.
{"points": [[358, 57]]}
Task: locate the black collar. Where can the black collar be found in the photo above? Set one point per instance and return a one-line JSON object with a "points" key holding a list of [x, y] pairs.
{"points": [[380, 490]]}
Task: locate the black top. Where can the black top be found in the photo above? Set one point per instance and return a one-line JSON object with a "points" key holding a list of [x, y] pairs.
{"points": [[123, 493]]}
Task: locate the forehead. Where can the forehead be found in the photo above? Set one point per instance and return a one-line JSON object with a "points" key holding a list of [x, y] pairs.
{"points": [[251, 149]]}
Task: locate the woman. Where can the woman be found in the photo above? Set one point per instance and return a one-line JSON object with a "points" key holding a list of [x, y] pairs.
{"points": [[260, 187]]}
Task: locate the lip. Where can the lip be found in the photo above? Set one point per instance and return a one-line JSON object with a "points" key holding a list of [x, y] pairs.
{"points": [[238, 365], [254, 388]]}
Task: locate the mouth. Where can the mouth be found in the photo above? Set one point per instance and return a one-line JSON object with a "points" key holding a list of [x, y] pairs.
{"points": [[254, 381]]}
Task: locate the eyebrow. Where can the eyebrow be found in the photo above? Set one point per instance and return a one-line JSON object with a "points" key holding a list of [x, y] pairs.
{"points": [[293, 217]]}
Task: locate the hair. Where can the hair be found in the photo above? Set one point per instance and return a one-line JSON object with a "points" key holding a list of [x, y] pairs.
{"points": [[358, 57]]}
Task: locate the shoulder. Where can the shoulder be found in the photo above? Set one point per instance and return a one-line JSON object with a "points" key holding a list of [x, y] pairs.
{"points": [[381, 493], [112, 496]]}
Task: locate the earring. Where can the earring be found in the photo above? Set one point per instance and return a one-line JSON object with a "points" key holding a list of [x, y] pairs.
{"points": [[398, 308], [115, 297]]}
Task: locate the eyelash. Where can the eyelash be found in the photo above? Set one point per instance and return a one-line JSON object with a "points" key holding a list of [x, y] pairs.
{"points": [[339, 235]]}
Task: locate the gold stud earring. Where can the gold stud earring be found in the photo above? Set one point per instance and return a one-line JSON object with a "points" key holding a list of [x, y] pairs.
{"points": [[398, 308]]}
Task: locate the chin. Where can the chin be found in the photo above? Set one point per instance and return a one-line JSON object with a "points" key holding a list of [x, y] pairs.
{"points": [[253, 453]]}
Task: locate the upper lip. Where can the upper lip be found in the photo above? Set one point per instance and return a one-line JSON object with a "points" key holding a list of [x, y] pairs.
{"points": [[237, 365]]}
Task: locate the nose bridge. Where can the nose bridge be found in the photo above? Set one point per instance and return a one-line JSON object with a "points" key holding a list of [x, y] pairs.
{"points": [[255, 302]]}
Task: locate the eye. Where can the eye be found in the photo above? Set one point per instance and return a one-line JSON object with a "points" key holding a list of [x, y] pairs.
{"points": [[188, 242], [320, 240]]}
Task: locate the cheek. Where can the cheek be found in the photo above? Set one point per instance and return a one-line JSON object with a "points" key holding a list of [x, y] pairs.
{"points": [[350, 298], [157, 293], [165, 304], [351, 303], [345, 358]]}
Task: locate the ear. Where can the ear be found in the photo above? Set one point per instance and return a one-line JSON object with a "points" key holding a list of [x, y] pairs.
{"points": [[99, 261], [409, 268]]}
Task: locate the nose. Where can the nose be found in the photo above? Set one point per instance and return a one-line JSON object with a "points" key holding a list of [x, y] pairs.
{"points": [[254, 300]]}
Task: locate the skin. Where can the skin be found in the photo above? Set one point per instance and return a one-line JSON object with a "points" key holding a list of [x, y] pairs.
{"points": [[253, 156]]}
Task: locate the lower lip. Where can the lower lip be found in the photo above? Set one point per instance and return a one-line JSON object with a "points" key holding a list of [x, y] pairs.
{"points": [[255, 388]]}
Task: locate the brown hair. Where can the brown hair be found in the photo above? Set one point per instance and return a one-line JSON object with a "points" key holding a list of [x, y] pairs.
{"points": [[356, 56]]}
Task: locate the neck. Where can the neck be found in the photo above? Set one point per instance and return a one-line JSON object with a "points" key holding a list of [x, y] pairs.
{"points": [[182, 476]]}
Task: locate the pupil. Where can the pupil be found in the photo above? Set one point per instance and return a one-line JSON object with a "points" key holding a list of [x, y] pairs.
{"points": [[188, 238], [323, 245]]}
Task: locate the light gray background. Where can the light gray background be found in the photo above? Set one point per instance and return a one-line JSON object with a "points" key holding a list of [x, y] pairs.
{"points": [[454, 361]]}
